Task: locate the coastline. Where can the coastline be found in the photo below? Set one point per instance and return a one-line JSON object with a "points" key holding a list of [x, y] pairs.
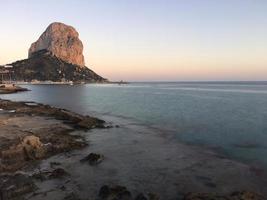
{"points": [[20, 120], [70, 83], [11, 88], [192, 167]]}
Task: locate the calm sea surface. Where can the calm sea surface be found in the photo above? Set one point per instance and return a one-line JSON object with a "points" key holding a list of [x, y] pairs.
{"points": [[229, 117]]}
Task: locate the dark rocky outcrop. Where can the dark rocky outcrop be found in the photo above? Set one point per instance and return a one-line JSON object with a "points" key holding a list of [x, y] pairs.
{"points": [[14, 186], [30, 148], [27, 146], [69, 117], [122, 193], [54, 174], [93, 159], [44, 66]]}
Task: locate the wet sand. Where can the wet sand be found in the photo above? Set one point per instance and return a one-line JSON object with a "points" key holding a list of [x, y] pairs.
{"points": [[144, 160]]}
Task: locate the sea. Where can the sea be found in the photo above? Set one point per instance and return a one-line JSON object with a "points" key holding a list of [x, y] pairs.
{"points": [[227, 117]]}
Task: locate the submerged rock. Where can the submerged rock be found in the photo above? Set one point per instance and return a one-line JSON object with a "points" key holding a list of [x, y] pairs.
{"points": [[93, 159], [115, 192], [52, 164], [58, 173], [141, 197], [104, 192], [71, 196], [121, 193], [245, 195], [149, 196], [54, 174], [90, 122]]}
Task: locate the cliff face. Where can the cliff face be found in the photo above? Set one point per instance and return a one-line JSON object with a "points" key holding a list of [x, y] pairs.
{"points": [[44, 66], [62, 41], [56, 56]]}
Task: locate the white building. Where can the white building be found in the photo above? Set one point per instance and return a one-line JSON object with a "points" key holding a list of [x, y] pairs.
{"points": [[8, 66]]}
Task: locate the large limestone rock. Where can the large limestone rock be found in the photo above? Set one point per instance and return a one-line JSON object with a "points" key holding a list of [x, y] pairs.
{"points": [[62, 41]]}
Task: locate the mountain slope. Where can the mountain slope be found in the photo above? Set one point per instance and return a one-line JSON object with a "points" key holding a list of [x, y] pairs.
{"points": [[43, 66]]}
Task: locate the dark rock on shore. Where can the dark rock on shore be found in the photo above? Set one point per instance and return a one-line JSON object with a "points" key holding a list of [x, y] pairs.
{"points": [[31, 148], [93, 159], [42, 142], [15, 157], [13, 186], [53, 174], [69, 117], [58, 173]]}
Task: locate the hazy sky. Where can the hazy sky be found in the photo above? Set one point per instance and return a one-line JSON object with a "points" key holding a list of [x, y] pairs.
{"points": [[171, 40]]}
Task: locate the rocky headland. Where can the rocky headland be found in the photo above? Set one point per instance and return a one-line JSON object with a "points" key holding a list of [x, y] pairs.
{"points": [[44, 66], [57, 56], [62, 41]]}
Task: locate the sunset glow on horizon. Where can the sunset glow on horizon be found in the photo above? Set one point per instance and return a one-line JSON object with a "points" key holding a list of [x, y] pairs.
{"points": [[149, 40]]}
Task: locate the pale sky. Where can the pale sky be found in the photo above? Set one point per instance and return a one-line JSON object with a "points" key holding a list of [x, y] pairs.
{"points": [[149, 40]]}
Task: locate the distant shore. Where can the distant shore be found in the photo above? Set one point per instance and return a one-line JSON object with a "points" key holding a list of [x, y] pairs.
{"points": [[68, 83]]}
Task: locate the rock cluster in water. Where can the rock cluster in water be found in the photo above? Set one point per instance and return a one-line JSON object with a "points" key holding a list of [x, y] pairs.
{"points": [[62, 41]]}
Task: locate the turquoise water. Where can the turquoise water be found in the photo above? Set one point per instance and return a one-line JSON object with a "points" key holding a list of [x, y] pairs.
{"points": [[228, 117]]}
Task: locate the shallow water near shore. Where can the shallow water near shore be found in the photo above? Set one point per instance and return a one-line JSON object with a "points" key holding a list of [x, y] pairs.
{"points": [[229, 117], [146, 160]]}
